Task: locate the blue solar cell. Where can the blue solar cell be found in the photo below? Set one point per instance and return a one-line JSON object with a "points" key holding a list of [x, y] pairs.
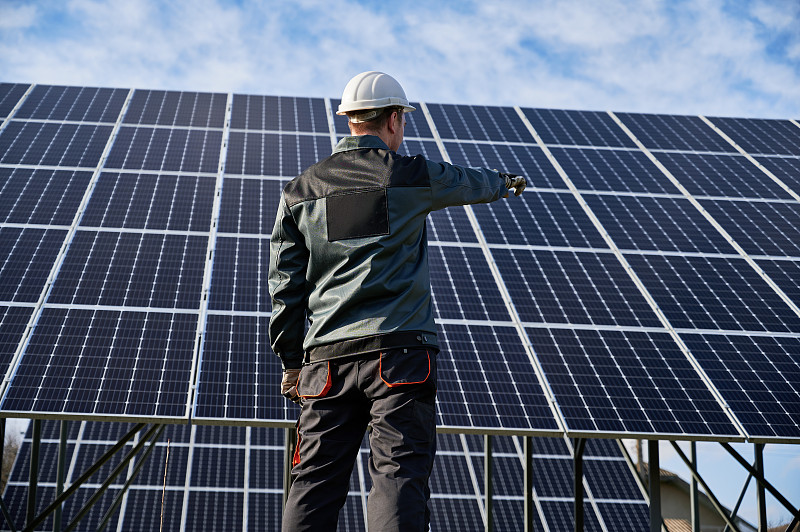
{"points": [[652, 223], [455, 514], [274, 154], [756, 376], [612, 170], [265, 510], [215, 510], [713, 293], [568, 287], [239, 373], [611, 479], [52, 144], [229, 470], [487, 381], [82, 104], [279, 113], [670, 132], [185, 150], [577, 128], [721, 175], [762, 136], [787, 169], [249, 205], [463, 286], [427, 148], [143, 510], [239, 279], [786, 274], [126, 364], [48, 197], [148, 201], [10, 94], [560, 515], [529, 161], [132, 269], [450, 225], [13, 321], [615, 381], [761, 228], [26, 258], [538, 219], [474, 122], [625, 516], [171, 108]]}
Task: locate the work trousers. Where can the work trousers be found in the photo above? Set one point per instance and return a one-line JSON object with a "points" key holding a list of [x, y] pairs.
{"points": [[393, 392]]}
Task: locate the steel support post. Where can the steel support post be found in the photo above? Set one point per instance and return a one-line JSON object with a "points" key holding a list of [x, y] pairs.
{"points": [[579, 446], [289, 444], [761, 492], [527, 483], [33, 482], [61, 470], [487, 481], [654, 481], [694, 493]]}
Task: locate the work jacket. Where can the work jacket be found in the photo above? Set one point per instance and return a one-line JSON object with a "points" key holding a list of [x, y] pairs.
{"points": [[349, 251]]}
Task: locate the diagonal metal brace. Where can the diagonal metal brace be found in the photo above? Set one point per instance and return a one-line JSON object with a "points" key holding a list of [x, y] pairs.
{"points": [[750, 469], [84, 477]]}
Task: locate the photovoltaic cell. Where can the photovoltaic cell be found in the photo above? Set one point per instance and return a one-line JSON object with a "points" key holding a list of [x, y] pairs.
{"points": [[10, 93], [762, 136], [239, 278], [652, 223], [132, 269], [239, 374], [13, 321], [756, 377], [463, 286], [713, 293], [450, 225], [787, 169], [165, 149], [474, 122], [49, 197], [52, 144], [80, 104], [151, 201], [572, 287], [486, 381], [672, 132], [172, 108], [529, 161], [279, 113], [26, 258], [274, 154], [786, 274], [249, 205], [577, 128], [426, 148], [721, 175], [538, 219], [126, 364], [612, 170], [761, 228]]}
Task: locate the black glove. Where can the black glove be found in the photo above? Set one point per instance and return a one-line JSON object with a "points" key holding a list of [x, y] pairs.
{"points": [[289, 385], [517, 182]]}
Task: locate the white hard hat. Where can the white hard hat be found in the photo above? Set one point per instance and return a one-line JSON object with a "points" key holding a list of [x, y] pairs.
{"points": [[372, 90]]}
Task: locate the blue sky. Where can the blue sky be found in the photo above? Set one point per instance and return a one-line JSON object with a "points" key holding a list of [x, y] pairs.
{"points": [[709, 57]]}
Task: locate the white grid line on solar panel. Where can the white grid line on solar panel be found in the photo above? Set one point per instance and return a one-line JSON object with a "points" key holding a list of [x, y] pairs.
{"points": [[713, 293], [181, 149], [269, 110], [53, 144], [478, 122], [628, 383], [761, 136], [754, 375], [42, 196], [497, 392], [283, 154], [64, 122], [60, 102], [152, 201], [659, 131], [120, 308], [120, 370], [151, 106], [572, 287], [604, 132], [114, 170]]}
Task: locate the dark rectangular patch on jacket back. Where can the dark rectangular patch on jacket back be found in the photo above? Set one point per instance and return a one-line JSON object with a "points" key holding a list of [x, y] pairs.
{"points": [[358, 214]]}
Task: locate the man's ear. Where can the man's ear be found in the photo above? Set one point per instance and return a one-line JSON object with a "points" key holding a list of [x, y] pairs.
{"points": [[393, 122]]}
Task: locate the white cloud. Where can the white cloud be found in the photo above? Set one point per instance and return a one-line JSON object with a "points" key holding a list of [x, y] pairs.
{"points": [[17, 17]]}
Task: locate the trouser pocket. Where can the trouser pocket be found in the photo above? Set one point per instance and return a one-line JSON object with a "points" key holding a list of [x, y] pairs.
{"points": [[401, 367], [315, 380]]}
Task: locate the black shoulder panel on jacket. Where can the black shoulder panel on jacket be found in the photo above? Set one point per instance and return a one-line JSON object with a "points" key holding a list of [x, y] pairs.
{"points": [[357, 170]]}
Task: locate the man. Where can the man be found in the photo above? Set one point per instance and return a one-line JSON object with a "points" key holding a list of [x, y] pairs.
{"points": [[349, 253]]}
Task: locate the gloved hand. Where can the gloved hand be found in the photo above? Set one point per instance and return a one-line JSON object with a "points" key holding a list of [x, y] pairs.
{"points": [[517, 182], [289, 385]]}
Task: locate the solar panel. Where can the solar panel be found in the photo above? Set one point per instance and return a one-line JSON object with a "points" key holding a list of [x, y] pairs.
{"points": [[668, 132], [761, 136], [577, 128], [10, 94]]}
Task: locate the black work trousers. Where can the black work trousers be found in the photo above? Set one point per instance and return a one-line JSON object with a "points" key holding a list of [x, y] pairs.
{"points": [[393, 392]]}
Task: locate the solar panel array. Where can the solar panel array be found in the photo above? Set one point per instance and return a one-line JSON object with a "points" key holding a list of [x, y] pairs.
{"points": [[644, 284], [230, 478]]}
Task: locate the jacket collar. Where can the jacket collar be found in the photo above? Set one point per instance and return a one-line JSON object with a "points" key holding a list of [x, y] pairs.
{"points": [[358, 142]]}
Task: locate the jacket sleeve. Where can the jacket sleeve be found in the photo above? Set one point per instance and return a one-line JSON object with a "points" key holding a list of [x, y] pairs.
{"points": [[288, 259], [457, 185]]}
